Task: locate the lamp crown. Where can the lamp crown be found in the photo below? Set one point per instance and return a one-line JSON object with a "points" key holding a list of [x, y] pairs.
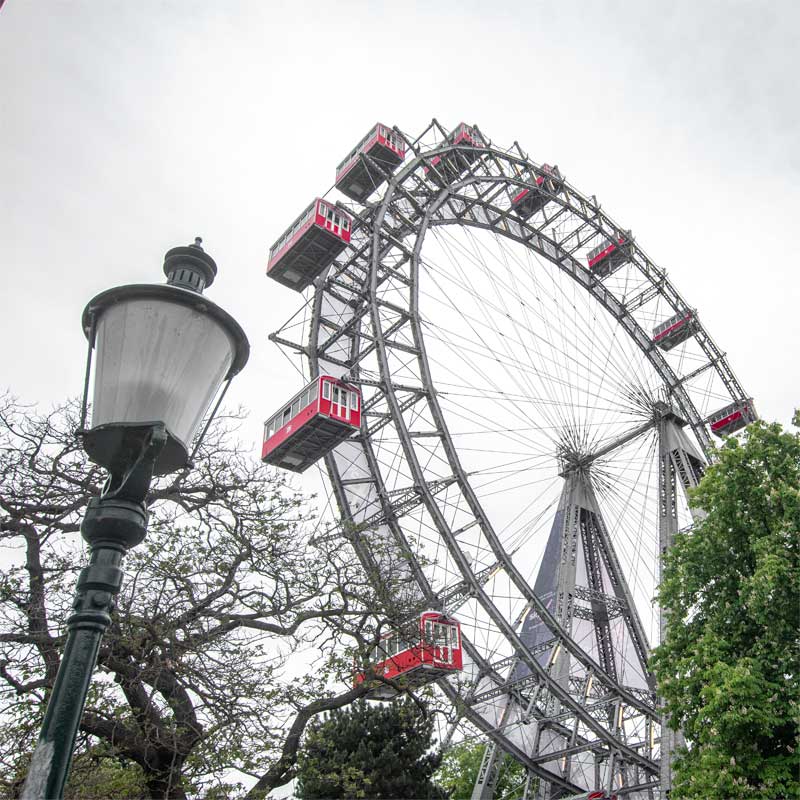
{"points": [[190, 267]]}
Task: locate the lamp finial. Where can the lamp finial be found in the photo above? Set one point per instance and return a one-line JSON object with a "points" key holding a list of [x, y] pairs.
{"points": [[190, 267]]}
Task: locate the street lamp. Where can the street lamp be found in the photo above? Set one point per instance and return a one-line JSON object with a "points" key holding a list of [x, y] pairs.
{"points": [[161, 354]]}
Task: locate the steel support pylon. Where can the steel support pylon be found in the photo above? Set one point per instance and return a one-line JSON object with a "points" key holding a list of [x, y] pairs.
{"points": [[581, 584], [488, 772], [680, 468]]}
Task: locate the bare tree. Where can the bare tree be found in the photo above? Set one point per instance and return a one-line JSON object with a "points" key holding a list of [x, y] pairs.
{"points": [[230, 633]]}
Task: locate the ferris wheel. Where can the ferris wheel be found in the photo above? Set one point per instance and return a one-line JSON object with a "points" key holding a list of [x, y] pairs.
{"points": [[512, 401]]}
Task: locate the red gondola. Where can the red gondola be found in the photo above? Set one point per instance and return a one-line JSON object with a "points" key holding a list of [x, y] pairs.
{"points": [[530, 200], [609, 256], [310, 244], [675, 330], [451, 165], [733, 417], [358, 179], [436, 652], [311, 424]]}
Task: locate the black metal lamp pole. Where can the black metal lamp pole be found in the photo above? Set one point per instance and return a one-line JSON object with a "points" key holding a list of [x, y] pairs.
{"points": [[114, 522], [143, 419]]}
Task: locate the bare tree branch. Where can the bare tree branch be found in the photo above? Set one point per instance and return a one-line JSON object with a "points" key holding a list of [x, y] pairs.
{"points": [[195, 674]]}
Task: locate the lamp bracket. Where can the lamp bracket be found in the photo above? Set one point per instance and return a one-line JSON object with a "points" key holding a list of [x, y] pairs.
{"points": [[132, 470], [118, 517]]}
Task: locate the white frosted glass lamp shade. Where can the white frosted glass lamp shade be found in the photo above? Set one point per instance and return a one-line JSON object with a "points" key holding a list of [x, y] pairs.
{"points": [[161, 355]]}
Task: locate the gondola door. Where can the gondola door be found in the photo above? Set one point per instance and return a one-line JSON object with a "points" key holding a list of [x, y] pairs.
{"points": [[339, 403], [441, 638]]}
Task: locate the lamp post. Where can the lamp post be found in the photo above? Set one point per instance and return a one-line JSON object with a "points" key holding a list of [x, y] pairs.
{"points": [[161, 354]]}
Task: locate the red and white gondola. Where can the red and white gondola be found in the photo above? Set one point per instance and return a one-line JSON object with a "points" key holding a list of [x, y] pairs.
{"points": [[529, 200], [318, 418], [309, 245], [609, 256], [431, 652], [451, 165], [675, 330], [356, 177], [733, 417]]}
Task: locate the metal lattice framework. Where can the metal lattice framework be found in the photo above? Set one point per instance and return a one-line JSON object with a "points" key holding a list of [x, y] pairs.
{"points": [[524, 452]]}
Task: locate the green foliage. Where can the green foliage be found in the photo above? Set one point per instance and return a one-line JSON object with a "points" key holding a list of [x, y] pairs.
{"points": [[729, 668], [97, 775], [459, 771], [369, 751]]}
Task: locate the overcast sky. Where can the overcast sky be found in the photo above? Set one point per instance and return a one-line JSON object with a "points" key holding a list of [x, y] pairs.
{"points": [[129, 128]]}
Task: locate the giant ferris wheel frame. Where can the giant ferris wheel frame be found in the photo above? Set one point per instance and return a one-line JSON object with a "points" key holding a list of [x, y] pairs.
{"points": [[556, 704]]}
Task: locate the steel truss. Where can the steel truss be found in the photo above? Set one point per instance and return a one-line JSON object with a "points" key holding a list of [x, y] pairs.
{"points": [[556, 673]]}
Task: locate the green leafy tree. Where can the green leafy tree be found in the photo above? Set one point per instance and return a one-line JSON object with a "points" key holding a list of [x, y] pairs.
{"points": [[459, 771], [370, 751], [194, 692], [729, 667]]}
